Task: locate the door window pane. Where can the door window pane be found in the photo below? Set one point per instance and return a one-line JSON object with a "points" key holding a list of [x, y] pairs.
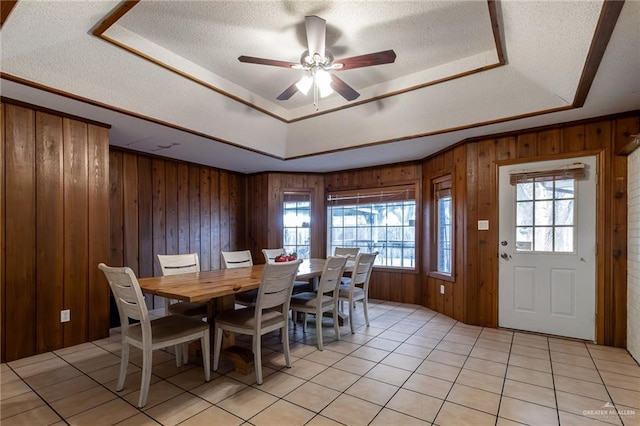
{"points": [[296, 222]]}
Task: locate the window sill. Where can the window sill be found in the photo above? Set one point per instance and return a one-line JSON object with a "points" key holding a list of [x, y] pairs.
{"points": [[441, 276]]}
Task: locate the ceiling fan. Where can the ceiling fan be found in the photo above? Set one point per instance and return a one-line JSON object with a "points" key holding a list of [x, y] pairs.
{"points": [[318, 64]]}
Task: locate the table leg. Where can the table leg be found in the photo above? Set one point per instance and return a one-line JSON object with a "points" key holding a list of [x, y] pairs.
{"points": [[241, 357]]}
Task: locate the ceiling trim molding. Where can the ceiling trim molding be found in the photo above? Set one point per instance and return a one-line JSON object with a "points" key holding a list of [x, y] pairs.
{"points": [[128, 5], [39, 108], [6, 6], [606, 23]]}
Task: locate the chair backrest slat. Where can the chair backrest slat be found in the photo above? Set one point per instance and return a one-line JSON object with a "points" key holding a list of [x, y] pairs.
{"points": [[277, 285], [331, 274], [237, 259], [128, 296], [346, 251], [173, 264], [362, 269], [271, 254]]}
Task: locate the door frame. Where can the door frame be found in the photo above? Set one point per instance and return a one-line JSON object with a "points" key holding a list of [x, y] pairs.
{"points": [[600, 155]]}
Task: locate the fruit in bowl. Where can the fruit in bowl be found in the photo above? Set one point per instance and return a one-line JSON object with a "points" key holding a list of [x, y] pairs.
{"points": [[285, 257]]}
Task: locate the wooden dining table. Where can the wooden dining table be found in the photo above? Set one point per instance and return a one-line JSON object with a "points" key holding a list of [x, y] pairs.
{"points": [[218, 287]]}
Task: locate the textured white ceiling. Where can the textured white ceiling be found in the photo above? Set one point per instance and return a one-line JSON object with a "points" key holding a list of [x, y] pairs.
{"points": [[545, 45]]}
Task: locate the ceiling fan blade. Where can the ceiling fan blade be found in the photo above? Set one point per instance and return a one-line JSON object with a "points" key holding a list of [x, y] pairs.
{"points": [[343, 88], [288, 93], [370, 59], [316, 34], [261, 61]]}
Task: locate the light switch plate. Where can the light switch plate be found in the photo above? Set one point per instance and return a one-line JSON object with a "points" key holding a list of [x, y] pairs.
{"points": [[483, 225]]}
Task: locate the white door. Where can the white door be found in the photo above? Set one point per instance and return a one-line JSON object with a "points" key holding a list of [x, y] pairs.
{"points": [[547, 250]]}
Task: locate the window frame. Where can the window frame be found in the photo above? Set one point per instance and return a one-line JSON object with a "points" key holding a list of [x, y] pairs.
{"points": [[369, 193], [297, 193], [443, 182]]}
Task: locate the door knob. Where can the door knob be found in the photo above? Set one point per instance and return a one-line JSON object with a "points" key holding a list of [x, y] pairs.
{"points": [[505, 256], [503, 243]]}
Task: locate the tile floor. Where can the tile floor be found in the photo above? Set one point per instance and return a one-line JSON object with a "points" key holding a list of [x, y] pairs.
{"points": [[411, 366]]}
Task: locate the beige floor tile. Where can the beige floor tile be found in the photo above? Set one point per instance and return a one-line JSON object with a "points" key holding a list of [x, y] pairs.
{"points": [[335, 379], [323, 357], [69, 352], [13, 388], [413, 350], [436, 369], [35, 359], [428, 385], [568, 348], [406, 327], [191, 378], [506, 422], [42, 415], [576, 360], [456, 348], [158, 393], [531, 341], [523, 412], [531, 363], [342, 347], [279, 384], [282, 413], [357, 338], [387, 374], [455, 415], [582, 373], [622, 357], [415, 404], [404, 362], [484, 366], [371, 354], [532, 377], [61, 374], [625, 397], [247, 403], [48, 366], [19, 404], [618, 367], [131, 383], [568, 419], [448, 358], [218, 389], [319, 420], [629, 415], [354, 365], [67, 388], [300, 350], [109, 374], [213, 416], [463, 339], [312, 396], [177, 409], [7, 375], [84, 352], [388, 417], [170, 369], [383, 344], [351, 411], [80, 402], [489, 354], [425, 342], [397, 336], [251, 379], [139, 419], [530, 351], [493, 345], [530, 393], [503, 336], [373, 391], [587, 407], [480, 380], [580, 387], [621, 380], [474, 398], [305, 369], [108, 413]]}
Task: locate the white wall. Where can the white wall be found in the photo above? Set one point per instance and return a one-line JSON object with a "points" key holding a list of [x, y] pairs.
{"points": [[633, 267]]}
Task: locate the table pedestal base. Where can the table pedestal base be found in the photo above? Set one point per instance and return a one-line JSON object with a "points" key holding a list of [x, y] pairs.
{"points": [[241, 357]]}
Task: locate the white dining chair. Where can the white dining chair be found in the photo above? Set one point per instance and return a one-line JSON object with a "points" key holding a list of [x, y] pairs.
{"points": [[237, 259], [346, 251], [173, 264], [270, 313], [358, 287], [325, 299], [149, 335], [270, 257]]}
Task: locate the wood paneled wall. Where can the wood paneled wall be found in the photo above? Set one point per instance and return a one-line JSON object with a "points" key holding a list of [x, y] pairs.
{"points": [[266, 190], [55, 230], [393, 285], [161, 206], [473, 296]]}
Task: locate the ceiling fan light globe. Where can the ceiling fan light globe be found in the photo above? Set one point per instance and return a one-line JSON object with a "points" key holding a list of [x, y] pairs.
{"points": [[323, 78], [304, 84], [325, 91]]}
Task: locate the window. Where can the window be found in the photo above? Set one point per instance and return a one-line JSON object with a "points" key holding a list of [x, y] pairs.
{"points": [[375, 220], [296, 221], [442, 226], [545, 215]]}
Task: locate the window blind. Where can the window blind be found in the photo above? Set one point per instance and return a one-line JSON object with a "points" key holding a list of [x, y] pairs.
{"points": [[570, 171]]}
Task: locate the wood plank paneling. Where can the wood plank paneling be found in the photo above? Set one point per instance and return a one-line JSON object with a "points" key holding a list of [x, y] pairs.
{"points": [[223, 202], [130, 211], [20, 233], [215, 260], [145, 220], [158, 216], [194, 209], [171, 210], [205, 219], [116, 210], [184, 235], [50, 235], [98, 212], [76, 236], [2, 227]]}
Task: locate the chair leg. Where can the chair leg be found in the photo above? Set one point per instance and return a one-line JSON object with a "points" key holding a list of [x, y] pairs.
{"points": [[366, 311], [124, 363], [185, 353], [206, 355], [351, 315], [319, 329], [336, 321], [285, 344], [179, 356], [147, 362], [216, 348], [294, 316], [257, 357], [304, 322]]}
